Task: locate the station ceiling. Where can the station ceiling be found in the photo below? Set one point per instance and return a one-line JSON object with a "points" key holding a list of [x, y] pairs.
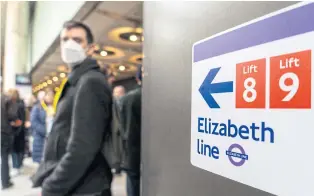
{"points": [[117, 28]]}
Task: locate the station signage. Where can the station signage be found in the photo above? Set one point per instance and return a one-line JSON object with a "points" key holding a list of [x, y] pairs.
{"points": [[252, 102]]}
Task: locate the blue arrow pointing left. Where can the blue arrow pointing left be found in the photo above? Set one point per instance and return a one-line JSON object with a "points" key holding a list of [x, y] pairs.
{"points": [[208, 88]]}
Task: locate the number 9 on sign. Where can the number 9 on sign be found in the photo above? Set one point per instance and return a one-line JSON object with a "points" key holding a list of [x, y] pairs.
{"points": [[293, 88], [290, 81]]}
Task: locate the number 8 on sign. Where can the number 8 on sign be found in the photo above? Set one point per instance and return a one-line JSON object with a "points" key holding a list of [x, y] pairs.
{"points": [[249, 85], [290, 80], [293, 88]]}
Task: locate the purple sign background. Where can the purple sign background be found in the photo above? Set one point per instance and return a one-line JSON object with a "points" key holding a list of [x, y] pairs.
{"points": [[274, 28]]}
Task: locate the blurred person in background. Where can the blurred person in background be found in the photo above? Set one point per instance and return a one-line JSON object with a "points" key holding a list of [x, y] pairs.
{"points": [[17, 108], [39, 115], [50, 110], [131, 136], [29, 103], [6, 139], [118, 93], [40, 96], [73, 163], [111, 79]]}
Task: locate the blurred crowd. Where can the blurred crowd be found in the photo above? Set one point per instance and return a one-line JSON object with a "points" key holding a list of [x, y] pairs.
{"points": [[24, 127]]}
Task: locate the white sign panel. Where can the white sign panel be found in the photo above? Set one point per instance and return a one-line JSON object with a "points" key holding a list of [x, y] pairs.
{"points": [[252, 97]]}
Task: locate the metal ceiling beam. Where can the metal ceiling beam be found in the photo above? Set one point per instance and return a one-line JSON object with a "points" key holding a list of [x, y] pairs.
{"points": [[137, 22], [122, 47]]}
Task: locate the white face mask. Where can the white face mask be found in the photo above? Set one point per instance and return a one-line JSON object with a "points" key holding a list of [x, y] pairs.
{"points": [[72, 53]]}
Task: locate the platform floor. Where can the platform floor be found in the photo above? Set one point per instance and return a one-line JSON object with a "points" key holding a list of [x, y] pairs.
{"points": [[22, 183]]}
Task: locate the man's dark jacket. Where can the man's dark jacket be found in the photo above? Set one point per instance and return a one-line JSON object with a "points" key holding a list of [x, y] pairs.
{"points": [[18, 109], [6, 129], [131, 130], [6, 117], [73, 163]]}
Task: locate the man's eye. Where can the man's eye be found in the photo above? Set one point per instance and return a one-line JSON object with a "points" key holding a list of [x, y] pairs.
{"points": [[77, 40], [65, 39]]}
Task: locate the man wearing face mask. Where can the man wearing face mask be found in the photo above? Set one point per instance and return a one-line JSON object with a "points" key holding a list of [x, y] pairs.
{"points": [[73, 163]]}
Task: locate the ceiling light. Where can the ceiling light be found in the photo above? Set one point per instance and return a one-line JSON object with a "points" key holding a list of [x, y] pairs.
{"points": [[139, 30], [49, 81], [133, 38], [121, 67], [45, 84], [62, 75], [103, 53], [55, 79], [57, 89]]}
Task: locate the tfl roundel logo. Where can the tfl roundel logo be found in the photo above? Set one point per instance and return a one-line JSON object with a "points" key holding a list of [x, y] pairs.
{"points": [[236, 155]]}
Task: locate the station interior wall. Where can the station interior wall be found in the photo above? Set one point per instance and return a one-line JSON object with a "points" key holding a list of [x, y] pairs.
{"points": [[166, 109]]}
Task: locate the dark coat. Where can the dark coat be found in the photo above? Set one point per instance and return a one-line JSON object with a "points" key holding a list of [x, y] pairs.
{"points": [[6, 116], [38, 127], [6, 129], [131, 130], [116, 135], [73, 163], [18, 109]]}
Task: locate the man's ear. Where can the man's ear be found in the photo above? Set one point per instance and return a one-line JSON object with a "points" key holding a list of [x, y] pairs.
{"points": [[91, 49]]}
